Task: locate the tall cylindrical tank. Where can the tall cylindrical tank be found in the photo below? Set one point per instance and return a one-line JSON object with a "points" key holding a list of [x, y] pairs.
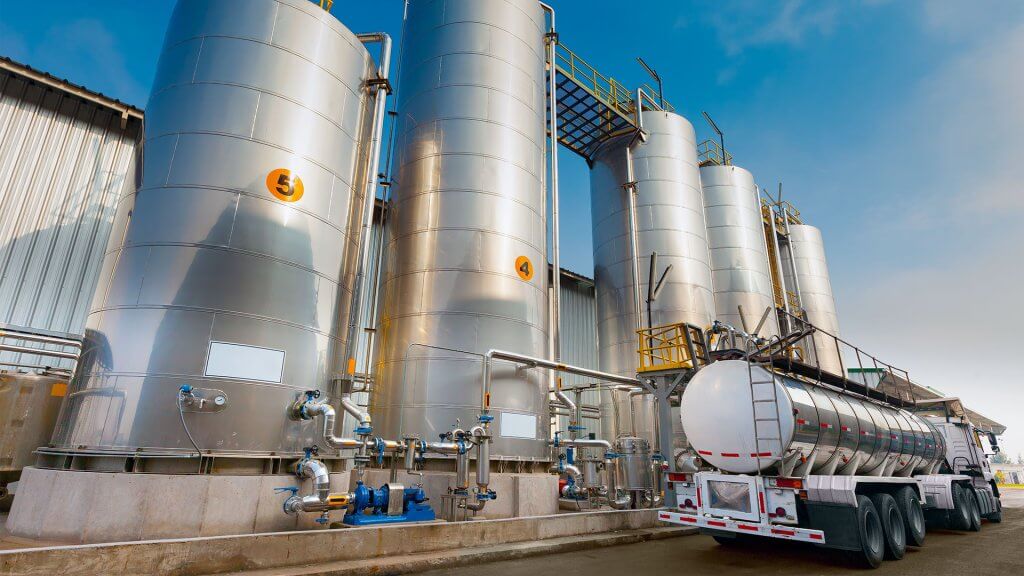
{"points": [[811, 269], [231, 261], [670, 222], [739, 256], [835, 431], [466, 266]]}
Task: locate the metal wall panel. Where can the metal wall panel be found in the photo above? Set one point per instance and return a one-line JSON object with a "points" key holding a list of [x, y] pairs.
{"points": [[204, 251], [579, 343], [469, 202], [63, 164]]}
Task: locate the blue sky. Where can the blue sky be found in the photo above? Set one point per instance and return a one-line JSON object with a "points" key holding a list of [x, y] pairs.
{"points": [[895, 126]]}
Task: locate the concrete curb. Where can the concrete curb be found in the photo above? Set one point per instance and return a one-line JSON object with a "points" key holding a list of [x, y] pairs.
{"points": [[457, 558], [283, 550]]}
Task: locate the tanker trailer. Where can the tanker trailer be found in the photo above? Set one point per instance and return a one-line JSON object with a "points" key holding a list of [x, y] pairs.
{"points": [[796, 459]]}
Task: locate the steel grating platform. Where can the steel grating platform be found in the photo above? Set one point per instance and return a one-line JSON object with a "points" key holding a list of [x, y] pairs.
{"points": [[592, 107]]}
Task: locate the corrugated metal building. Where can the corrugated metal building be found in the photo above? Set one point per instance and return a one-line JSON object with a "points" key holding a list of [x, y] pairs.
{"points": [[65, 153]]}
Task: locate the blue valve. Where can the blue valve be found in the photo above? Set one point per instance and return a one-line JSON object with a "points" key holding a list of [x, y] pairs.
{"points": [[485, 418], [293, 489], [185, 389]]}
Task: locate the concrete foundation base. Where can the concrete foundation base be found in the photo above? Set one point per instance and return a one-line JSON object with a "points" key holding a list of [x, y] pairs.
{"points": [[519, 495], [89, 507]]}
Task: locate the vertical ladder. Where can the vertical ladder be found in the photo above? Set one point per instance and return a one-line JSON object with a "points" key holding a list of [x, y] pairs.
{"points": [[763, 440]]}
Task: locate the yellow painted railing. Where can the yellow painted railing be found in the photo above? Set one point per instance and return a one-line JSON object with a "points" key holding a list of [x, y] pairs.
{"points": [[670, 347]]}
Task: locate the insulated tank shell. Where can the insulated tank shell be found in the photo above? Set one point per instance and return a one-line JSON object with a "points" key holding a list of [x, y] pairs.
{"points": [[466, 267], [212, 278], [739, 256], [811, 276], [843, 433], [670, 221]]}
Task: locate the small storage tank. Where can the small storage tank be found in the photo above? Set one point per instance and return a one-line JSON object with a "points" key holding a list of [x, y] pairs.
{"points": [[670, 221], [739, 256], [466, 257], [231, 260], [811, 269], [633, 464], [836, 432], [29, 403]]}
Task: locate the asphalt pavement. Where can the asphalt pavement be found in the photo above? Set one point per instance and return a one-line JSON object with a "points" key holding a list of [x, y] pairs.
{"points": [[997, 550]]}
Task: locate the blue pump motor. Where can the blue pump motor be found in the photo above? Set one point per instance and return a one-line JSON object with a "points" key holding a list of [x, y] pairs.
{"points": [[370, 506]]}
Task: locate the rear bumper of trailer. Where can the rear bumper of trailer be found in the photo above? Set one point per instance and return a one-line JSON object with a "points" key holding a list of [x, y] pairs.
{"points": [[740, 527]]}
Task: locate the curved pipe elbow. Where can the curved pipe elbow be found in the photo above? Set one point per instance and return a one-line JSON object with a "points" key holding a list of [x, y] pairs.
{"points": [[358, 413]]}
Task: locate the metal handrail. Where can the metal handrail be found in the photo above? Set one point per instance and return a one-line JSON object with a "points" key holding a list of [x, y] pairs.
{"points": [[709, 152], [671, 347], [605, 88]]}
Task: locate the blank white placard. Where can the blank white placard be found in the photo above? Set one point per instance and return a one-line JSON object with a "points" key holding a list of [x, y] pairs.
{"points": [[515, 425], [227, 360]]}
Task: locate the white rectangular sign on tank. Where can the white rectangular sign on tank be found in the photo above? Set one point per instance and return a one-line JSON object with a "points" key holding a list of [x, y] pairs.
{"points": [[514, 425], [227, 360]]}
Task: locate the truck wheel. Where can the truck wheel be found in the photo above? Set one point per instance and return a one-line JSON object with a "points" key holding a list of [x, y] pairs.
{"points": [[872, 535], [997, 516], [975, 508], [728, 540], [913, 515], [960, 515], [892, 525]]}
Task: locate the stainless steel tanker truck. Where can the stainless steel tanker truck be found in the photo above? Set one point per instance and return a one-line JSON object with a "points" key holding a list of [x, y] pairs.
{"points": [[790, 457]]}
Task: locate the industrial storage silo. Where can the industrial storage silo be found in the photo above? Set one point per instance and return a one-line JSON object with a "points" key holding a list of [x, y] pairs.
{"points": [[231, 262], [669, 221], [739, 259], [812, 281], [466, 266]]}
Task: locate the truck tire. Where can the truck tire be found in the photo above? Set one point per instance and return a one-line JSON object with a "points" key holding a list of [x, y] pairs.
{"points": [[975, 508], [730, 541], [871, 533], [913, 515], [893, 526], [997, 516], [960, 515]]}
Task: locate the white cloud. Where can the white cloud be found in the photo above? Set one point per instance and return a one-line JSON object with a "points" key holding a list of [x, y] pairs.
{"points": [[741, 24], [954, 316], [83, 44]]}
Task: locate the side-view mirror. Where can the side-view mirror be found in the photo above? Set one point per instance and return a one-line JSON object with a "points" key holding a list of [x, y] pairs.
{"points": [[993, 442]]}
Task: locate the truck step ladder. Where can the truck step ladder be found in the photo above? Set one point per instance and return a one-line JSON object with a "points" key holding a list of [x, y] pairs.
{"points": [[763, 393]]}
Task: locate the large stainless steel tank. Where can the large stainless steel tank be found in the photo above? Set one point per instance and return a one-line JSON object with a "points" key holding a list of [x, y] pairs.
{"points": [[838, 432], [231, 264], [811, 269], [466, 248], [670, 221], [739, 257]]}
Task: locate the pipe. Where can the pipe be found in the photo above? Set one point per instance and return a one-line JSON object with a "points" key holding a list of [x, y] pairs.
{"points": [[350, 406], [582, 443], [371, 334], [317, 500], [28, 336], [38, 351], [614, 500], [483, 468], [493, 354], [556, 308], [310, 410], [383, 87]]}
